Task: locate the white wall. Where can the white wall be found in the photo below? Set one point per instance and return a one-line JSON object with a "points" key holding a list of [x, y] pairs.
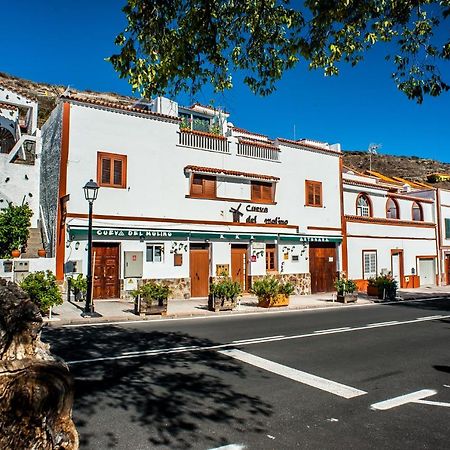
{"points": [[156, 182], [35, 265]]}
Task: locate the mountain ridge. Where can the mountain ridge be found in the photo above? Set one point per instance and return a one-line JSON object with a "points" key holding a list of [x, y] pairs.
{"points": [[411, 168]]}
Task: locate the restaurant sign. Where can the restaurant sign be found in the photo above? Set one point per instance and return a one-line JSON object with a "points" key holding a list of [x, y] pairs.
{"points": [[124, 233]]}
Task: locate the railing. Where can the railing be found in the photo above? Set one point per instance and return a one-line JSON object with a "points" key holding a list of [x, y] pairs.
{"points": [[204, 141], [259, 151]]}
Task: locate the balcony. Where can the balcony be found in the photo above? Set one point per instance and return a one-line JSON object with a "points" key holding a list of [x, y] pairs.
{"points": [[203, 141], [259, 150]]}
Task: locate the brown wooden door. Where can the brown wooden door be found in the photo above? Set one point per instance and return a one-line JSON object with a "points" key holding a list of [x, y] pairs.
{"points": [[322, 266], [238, 264], [105, 259], [199, 269]]}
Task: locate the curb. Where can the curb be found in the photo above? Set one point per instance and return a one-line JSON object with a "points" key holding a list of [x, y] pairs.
{"points": [[154, 318]]}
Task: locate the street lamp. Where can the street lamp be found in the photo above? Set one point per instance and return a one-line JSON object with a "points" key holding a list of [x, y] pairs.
{"points": [[90, 193]]}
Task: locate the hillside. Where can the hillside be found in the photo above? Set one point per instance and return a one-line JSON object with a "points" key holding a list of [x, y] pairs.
{"points": [[412, 168], [408, 167]]}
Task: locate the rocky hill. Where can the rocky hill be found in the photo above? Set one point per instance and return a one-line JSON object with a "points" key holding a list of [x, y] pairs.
{"points": [[410, 168]]}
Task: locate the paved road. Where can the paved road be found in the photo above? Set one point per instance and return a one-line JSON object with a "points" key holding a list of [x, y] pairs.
{"points": [[350, 378]]}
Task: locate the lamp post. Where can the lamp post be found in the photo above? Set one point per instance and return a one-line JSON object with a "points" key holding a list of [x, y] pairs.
{"points": [[90, 193]]}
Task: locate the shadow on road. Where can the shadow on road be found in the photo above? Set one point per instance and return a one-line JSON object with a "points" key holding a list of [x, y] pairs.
{"points": [[441, 304], [170, 399]]}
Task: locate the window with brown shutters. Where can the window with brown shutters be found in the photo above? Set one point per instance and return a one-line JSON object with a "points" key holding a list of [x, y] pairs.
{"points": [[262, 192], [203, 186], [313, 193], [111, 170]]}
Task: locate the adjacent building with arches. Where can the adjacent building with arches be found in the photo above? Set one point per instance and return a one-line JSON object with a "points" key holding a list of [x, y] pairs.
{"points": [[389, 227]]}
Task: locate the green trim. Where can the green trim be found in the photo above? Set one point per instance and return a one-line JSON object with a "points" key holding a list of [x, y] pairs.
{"points": [[111, 233], [447, 228]]}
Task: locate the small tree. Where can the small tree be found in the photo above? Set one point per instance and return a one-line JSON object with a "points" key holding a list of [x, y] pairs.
{"points": [[43, 290], [14, 228]]}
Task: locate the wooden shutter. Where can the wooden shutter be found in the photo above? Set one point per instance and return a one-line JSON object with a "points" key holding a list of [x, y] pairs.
{"points": [[313, 193], [262, 192], [106, 171], [209, 187], [118, 167]]}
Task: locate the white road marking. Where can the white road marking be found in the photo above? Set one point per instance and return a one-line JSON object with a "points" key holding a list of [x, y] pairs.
{"points": [[429, 317], [382, 324], [230, 447], [222, 316], [403, 399], [155, 352], [242, 341], [331, 330], [429, 402], [293, 374]]}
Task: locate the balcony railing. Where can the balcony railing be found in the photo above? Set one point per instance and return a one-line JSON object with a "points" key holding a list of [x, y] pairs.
{"points": [[204, 141], [256, 150]]}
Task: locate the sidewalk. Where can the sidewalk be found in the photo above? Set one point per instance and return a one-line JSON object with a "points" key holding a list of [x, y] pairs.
{"points": [[120, 310]]}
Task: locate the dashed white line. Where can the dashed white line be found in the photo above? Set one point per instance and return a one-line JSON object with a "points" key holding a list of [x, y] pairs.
{"points": [[323, 384], [243, 341], [155, 352], [382, 324], [403, 399], [332, 330]]}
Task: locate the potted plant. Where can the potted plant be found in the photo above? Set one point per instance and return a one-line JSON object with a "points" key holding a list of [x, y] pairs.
{"points": [[223, 294], [78, 286], [345, 290], [272, 292], [387, 287], [14, 229], [43, 290], [151, 298], [372, 288], [41, 252]]}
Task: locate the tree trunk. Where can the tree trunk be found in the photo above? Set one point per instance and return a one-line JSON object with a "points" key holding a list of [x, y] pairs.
{"points": [[36, 388]]}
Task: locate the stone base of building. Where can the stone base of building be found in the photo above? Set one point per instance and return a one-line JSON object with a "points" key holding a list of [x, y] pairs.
{"points": [[301, 281], [179, 287]]}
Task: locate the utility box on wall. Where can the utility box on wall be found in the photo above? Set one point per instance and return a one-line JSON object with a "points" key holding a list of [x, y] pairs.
{"points": [[133, 264], [21, 270]]}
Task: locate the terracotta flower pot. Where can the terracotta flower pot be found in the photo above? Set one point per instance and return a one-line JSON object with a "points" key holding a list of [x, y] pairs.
{"points": [[41, 252], [15, 253]]}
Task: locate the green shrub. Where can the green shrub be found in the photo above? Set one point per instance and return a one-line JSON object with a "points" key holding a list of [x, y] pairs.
{"points": [[152, 291], [387, 286], [42, 289], [344, 286], [225, 289], [269, 287], [14, 228], [78, 285]]}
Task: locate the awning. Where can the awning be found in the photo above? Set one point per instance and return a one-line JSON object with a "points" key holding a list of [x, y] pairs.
{"points": [[111, 233]]}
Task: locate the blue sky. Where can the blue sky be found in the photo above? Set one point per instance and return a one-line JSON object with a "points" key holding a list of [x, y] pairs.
{"points": [[66, 43]]}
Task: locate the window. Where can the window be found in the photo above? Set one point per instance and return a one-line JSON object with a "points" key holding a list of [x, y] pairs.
{"points": [[369, 264], [447, 229], [203, 186], [417, 213], [111, 170], [313, 192], [155, 253], [392, 209], [270, 258], [262, 192], [363, 206]]}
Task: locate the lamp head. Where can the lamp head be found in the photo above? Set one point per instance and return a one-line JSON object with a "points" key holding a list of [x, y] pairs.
{"points": [[90, 190]]}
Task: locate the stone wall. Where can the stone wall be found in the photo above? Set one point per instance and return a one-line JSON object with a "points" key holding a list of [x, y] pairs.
{"points": [[301, 281], [180, 287]]}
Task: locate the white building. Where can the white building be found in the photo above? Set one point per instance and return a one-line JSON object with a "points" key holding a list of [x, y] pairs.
{"points": [[389, 226], [184, 206], [19, 151]]}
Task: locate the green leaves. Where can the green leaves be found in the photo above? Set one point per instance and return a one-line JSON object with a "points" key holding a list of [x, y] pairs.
{"points": [[14, 228], [181, 45], [42, 289]]}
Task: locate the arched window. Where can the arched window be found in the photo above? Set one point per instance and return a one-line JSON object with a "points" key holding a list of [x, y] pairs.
{"points": [[392, 209], [363, 207], [7, 140], [417, 212]]}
